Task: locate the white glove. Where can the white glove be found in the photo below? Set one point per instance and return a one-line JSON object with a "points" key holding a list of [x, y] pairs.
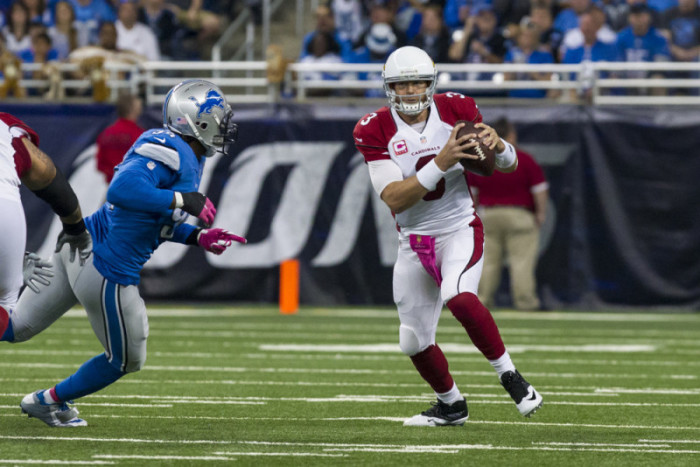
{"points": [[36, 270]]}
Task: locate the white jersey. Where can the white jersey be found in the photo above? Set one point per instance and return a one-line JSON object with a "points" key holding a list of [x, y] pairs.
{"points": [[11, 130], [384, 135]]}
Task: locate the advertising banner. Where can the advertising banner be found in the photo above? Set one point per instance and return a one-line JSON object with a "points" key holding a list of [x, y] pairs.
{"points": [[621, 229]]}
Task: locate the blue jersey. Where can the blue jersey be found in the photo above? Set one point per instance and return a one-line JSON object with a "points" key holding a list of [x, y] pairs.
{"points": [[647, 48], [137, 217], [516, 55]]}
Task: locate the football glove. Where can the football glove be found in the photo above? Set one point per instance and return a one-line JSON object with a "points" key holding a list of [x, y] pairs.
{"points": [[82, 243], [196, 204], [36, 271], [217, 240]]}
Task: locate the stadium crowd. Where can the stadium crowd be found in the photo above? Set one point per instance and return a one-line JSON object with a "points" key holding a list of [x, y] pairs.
{"points": [[505, 31], [362, 31], [45, 30]]}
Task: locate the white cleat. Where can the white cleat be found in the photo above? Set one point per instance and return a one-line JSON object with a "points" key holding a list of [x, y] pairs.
{"points": [[441, 414], [59, 415], [526, 398]]}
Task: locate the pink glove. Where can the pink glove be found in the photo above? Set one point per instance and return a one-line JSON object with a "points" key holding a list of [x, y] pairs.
{"points": [[196, 204], [208, 212], [217, 240]]}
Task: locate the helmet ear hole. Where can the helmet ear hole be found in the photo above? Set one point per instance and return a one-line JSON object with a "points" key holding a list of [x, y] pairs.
{"points": [[202, 125]]}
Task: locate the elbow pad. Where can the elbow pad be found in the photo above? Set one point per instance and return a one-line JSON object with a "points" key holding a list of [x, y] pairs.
{"points": [[59, 195]]}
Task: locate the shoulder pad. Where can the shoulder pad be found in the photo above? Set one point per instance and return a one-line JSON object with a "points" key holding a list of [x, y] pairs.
{"points": [[375, 129], [453, 106], [161, 146]]}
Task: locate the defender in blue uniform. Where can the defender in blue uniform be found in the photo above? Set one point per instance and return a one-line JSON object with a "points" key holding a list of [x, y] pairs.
{"points": [[154, 190]]}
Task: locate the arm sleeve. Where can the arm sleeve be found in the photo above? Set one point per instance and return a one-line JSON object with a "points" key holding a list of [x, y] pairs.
{"points": [[136, 186], [182, 232], [382, 173]]}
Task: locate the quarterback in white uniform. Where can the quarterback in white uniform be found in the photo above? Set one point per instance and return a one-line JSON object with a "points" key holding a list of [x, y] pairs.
{"points": [[413, 157]]}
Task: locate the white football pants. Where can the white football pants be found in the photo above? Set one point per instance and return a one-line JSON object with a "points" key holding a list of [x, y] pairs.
{"points": [[418, 298], [13, 233]]}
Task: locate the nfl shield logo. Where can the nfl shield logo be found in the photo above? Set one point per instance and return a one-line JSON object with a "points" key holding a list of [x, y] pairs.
{"points": [[423, 139], [400, 147]]}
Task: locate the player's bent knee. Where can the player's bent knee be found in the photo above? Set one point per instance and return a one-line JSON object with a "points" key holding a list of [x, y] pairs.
{"points": [[409, 342], [135, 365]]}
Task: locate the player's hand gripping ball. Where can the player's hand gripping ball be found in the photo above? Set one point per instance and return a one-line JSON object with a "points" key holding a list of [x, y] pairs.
{"points": [[486, 163]]}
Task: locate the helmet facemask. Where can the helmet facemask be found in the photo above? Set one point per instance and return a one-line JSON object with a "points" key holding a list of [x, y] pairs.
{"points": [[399, 102]]}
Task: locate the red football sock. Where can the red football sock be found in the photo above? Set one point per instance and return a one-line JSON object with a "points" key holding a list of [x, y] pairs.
{"points": [[4, 320], [432, 366], [479, 323]]}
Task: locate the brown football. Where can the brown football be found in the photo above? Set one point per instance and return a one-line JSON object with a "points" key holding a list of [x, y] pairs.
{"points": [[486, 163]]}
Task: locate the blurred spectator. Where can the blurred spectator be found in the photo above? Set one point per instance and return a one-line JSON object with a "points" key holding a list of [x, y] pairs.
{"points": [[63, 33], [380, 41], [321, 49], [41, 50], [574, 37], [202, 28], [569, 18], [17, 37], [681, 25], [616, 12], [89, 14], [325, 24], [513, 207], [479, 42], [38, 12], [641, 42], [163, 22], [662, 6], [592, 50], [115, 140], [408, 14], [9, 72], [457, 11], [135, 36], [106, 49], [527, 51], [350, 19], [541, 18], [433, 38], [510, 13], [382, 13]]}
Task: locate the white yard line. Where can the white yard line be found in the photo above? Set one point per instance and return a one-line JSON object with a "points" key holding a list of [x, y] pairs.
{"points": [[679, 441], [550, 389], [456, 348], [361, 419], [52, 462], [368, 371], [390, 313]]}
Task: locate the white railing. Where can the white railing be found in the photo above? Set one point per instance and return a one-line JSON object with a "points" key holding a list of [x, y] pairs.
{"points": [[600, 83]]}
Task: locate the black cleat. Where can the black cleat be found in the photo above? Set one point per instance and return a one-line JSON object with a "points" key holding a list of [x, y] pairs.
{"points": [[527, 400], [441, 414]]}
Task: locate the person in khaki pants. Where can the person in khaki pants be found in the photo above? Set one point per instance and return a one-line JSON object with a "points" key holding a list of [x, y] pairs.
{"points": [[513, 207]]}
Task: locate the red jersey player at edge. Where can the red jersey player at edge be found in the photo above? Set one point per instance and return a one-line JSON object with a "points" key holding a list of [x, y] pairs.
{"points": [[22, 162], [413, 157]]}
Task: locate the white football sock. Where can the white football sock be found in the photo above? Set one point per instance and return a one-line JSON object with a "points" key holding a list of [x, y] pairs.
{"points": [[502, 364], [47, 397], [451, 396]]}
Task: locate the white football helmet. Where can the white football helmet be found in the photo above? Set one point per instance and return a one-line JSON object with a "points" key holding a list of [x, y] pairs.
{"points": [[198, 108], [409, 64]]}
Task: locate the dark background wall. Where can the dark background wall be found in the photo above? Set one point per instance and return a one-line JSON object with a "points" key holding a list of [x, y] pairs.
{"points": [[624, 230]]}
